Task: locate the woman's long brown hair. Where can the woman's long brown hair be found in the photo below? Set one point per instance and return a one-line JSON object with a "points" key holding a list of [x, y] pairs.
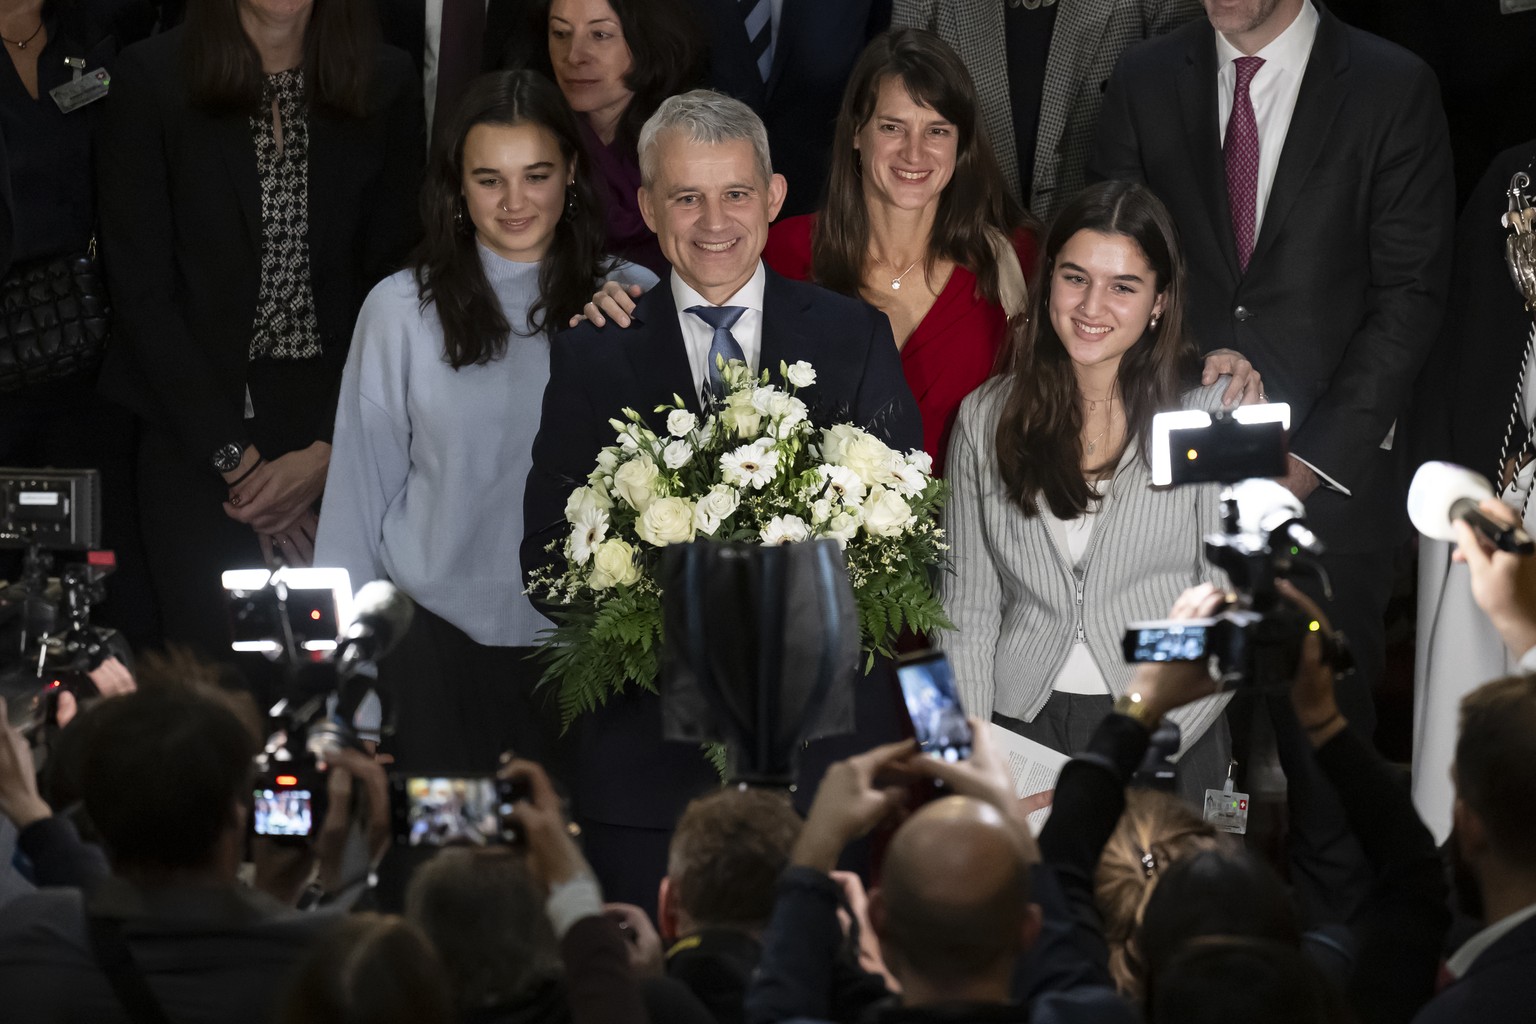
{"points": [[1039, 433]]}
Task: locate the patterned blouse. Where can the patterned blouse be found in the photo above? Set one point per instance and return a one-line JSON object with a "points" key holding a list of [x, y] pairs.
{"points": [[286, 327]]}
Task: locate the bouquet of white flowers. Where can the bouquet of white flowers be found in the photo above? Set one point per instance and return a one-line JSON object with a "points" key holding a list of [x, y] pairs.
{"points": [[754, 469]]}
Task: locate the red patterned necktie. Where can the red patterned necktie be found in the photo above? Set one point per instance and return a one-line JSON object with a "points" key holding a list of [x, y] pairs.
{"points": [[1242, 152]]}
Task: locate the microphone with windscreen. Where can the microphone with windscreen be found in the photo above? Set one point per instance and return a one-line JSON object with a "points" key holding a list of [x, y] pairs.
{"points": [[381, 613], [1443, 492]]}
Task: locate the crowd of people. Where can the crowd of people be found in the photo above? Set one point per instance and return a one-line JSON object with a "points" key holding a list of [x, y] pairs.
{"points": [[378, 281]]}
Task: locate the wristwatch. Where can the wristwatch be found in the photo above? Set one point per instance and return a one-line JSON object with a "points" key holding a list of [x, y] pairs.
{"points": [[1132, 706], [226, 458]]}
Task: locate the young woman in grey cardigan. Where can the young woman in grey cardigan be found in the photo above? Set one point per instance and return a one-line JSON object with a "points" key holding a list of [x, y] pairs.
{"points": [[439, 406], [1057, 535]]}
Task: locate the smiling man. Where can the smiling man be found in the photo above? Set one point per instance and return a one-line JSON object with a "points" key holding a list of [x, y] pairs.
{"points": [[709, 192]]}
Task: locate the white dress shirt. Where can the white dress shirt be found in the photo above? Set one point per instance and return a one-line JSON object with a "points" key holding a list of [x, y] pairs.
{"points": [[1462, 960], [697, 335], [1273, 93]]}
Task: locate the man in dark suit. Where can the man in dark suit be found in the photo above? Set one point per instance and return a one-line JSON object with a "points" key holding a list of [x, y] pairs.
{"points": [[1493, 850], [1308, 168], [789, 60], [709, 194]]}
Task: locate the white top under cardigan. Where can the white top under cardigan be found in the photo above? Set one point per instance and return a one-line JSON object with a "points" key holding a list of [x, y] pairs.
{"points": [[428, 463], [1013, 595]]}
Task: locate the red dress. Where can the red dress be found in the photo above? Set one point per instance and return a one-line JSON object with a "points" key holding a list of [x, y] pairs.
{"points": [[952, 351]]}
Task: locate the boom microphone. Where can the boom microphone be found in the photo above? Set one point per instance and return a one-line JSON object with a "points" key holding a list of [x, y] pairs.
{"points": [[381, 615], [1443, 492]]}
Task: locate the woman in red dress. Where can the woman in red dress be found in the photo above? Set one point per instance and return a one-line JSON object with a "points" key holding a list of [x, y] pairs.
{"points": [[918, 223]]}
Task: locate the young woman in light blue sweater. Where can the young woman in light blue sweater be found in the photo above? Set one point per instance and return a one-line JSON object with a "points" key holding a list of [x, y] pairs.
{"points": [[439, 406]]}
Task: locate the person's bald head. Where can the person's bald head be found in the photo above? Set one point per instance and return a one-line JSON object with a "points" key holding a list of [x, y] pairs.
{"points": [[954, 904]]}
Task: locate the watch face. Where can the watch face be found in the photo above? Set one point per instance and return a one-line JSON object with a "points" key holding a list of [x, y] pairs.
{"points": [[227, 458]]}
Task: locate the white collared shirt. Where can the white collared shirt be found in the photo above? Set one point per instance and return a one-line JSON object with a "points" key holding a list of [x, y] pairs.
{"points": [[1462, 960], [1273, 92], [697, 335]]}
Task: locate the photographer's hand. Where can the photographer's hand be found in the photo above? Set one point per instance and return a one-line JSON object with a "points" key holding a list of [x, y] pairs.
{"points": [[1503, 583], [553, 856], [352, 771], [646, 957], [848, 804], [19, 799], [1312, 693]]}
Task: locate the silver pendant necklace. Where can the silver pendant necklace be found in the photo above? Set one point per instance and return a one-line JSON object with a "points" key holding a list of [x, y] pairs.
{"points": [[896, 281]]}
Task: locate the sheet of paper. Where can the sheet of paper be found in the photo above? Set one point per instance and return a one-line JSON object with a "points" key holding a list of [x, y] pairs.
{"points": [[1032, 766]]}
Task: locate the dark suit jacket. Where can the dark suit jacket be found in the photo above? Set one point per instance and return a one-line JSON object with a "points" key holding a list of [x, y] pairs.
{"points": [[817, 46], [1346, 286], [1497, 987], [181, 234], [595, 372], [514, 30]]}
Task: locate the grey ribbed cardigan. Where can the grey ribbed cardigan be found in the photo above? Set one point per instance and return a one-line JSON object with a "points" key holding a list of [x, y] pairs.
{"points": [[1014, 596]]}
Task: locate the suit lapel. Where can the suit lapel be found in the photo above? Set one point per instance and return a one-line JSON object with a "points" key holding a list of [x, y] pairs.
{"points": [[1197, 105], [327, 177], [657, 354], [233, 135], [783, 339], [1077, 35], [790, 16], [1317, 103]]}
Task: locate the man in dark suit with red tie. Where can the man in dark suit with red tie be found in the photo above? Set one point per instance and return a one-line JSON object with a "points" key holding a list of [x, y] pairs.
{"points": [[1308, 167], [709, 193]]}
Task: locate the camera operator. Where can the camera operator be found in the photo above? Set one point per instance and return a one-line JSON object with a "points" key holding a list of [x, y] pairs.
{"points": [[1398, 929], [961, 903], [166, 780]]}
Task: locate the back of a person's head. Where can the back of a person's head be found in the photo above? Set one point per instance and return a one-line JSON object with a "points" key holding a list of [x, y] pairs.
{"points": [[954, 899], [727, 854], [1496, 765], [1156, 830], [484, 915], [162, 771], [1222, 979], [1214, 893], [369, 969]]}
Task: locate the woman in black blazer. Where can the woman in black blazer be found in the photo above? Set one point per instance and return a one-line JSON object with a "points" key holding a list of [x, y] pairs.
{"points": [[258, 173]]}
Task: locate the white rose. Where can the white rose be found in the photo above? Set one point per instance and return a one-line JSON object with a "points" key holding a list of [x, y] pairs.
{"points": [[834, 439], [800, 374], [868, 456], [608, 460], [765, 398], [920, 461], [583, 500], [885, 514], [751, 465], [613, 565], [680, 421], [666, 521], [821, 511], [785, 530], [587, 531], [740, 415], [842, 527], [842, 483], [677, 454], [715, 507], [635, 482]]}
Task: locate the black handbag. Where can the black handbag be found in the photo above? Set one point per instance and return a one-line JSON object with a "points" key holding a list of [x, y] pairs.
{"points": [[761, 651], [54, 320]]}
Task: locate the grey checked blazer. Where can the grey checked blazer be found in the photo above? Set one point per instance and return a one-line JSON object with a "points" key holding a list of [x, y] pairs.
{"points": [[1088, 38]]}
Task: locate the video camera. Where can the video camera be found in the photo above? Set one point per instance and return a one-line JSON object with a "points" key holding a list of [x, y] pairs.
{"points": [[47, 642], [1257, 639], [329, 643]]}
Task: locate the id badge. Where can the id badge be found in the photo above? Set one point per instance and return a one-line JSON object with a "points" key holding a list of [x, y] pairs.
{"points": [[1226, 810], [1516, 6], [88, 88]]}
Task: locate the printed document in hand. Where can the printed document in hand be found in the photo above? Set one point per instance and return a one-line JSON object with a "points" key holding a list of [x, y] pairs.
{"points": [[1032, 766]]}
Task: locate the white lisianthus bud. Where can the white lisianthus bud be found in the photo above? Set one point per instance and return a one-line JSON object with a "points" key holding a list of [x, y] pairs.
{"points": [[635, 482], [800, 374], [715, 507], [680, 421], [920, 461], [666, 521], [587, 531], [885, 514], [785, 530], [584, 499], [677, 454], [843, 527], [613, 565]]}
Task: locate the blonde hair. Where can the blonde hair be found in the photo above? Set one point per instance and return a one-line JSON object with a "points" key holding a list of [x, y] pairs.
{"points": [[1156, 830]]}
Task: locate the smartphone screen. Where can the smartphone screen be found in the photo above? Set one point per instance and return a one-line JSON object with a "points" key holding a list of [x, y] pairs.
{"points": [[283, 812], [933, 704], [450, 811]]}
